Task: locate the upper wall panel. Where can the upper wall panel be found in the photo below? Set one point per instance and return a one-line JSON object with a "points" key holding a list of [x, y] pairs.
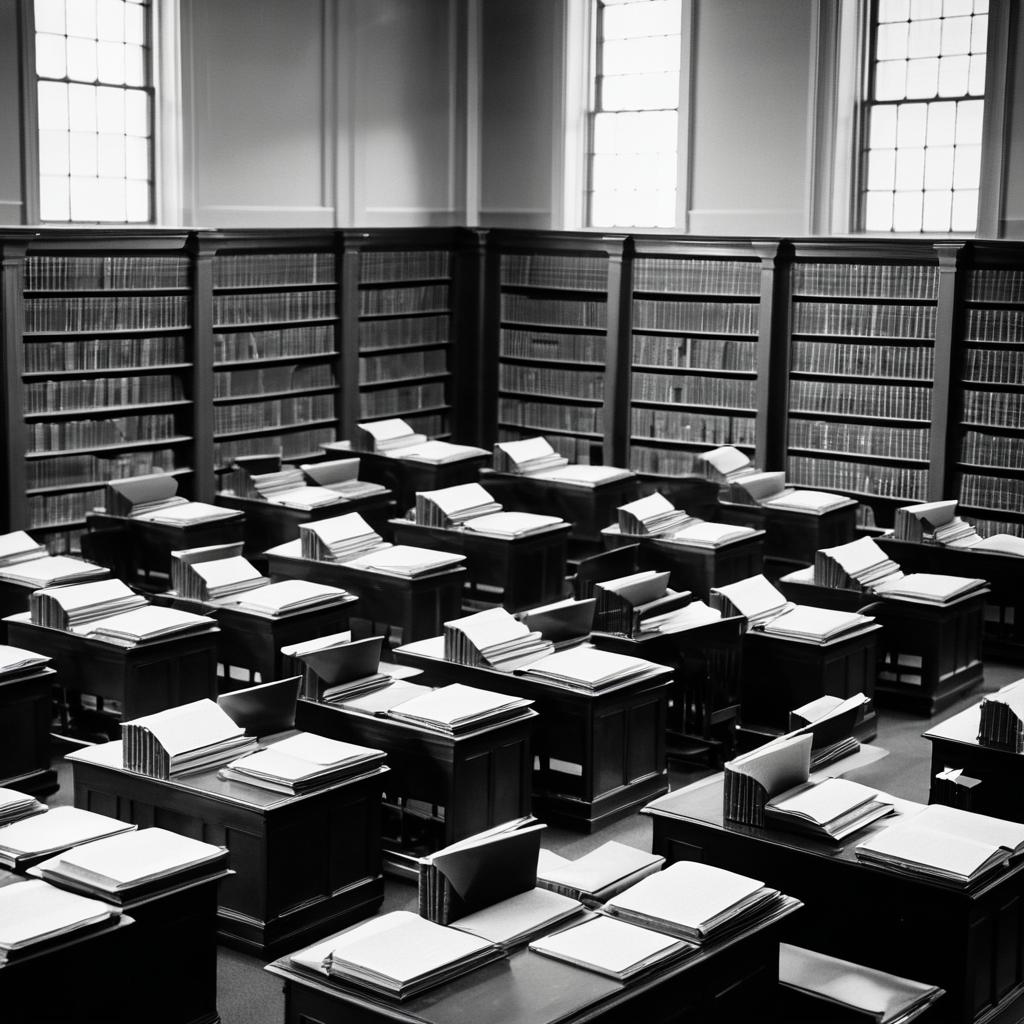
{"points": [[11, 204]]}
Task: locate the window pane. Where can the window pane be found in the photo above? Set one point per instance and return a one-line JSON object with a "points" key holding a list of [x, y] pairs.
{"points": [[654, 18], [965, 211], [81, 21], [53, 105], [976, 76], [922, 77], [936, 210], [53, 152], [911, 124], [893, 10], [49, 16], [136, 158], [883, 127], [83, 153], [925, 38], [941, 124], [136, 113], [51, 56], [953, 76], [968, 121], [657, 53], [640, 92], [967, 167], [906, 211], [53, 198], [110, 20], [84, 198], [137, 200], [110, 110], [909, 169], [82, 107], [134, 24], [110, 199], [925, 8], [881, 168], [878, 211], [82, 59], [111, 156], [956, 35], [938, 167], [891, 80], [111, 62], [892, 41]]}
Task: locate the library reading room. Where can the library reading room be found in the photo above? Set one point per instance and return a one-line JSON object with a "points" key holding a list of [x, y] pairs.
{"points": [[512, 511]]}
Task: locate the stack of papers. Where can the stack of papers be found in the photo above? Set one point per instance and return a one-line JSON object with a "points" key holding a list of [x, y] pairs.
{"points": [[34, 839], [653, 515], [752, 779], [532, 455], [17, 659], [700, 534], [590, 670], [509, 525], [143, 625], [639, 603], [341, 476], [599, 875], [1001, 722], [814, 502], [76, 605], [19, 547], [184, 739], [815, 625], [388, 436], [302, 763], [521, 918], [613, 948], [583, 476], [440, 453], [450, 506], [398, 955], [935, 521], [755, 598], [829, 809], [213, 573], [34, 913], [456, 709], [49, 571], [14, 806], [379, 702], [288, 487], [286, 597], [1001, 544], [190, 513], [405, 562], [947, 845], [339, 539], [493, 637], [859, 565], [930, 588], [694, 901], [132, 864]]}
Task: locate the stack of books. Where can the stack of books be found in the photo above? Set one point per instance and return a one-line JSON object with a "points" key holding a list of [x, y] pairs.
{"points": [[213, 573], [510, 525], [1001, 722], [695, 901], [16, 660], [935, 521], [954, 789], [154, 499], [456, 709], [303, 763], [405, 562], [754, 598], [24, 561], [532, 455], [386, 436], [379, 703], [131, 865], [289, 488], [653, 515], [441, 453], [341, 478], [829, 809], [184, 739], [108, 610], [589, 670], [397, 955], [930, 588], [339, 539], [452, 506], [35, 915], [830, 721], [14, 806], [639, 603], [752, 779], [599, 875], [583, 476], [955, 848], [26, 842], [699, 534], [286, 597], [493, 638], [859, 565]]}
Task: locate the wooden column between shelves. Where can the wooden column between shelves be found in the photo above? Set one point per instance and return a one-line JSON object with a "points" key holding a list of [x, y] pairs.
{"points": [[772, 356], [465, 353], [12, 354], [942, 454], [618, 357], [349, 260], [203, 477]]}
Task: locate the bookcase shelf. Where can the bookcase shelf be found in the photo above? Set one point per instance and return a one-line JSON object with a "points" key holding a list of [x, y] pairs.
{"points": [[264, 325], [102, 371], [263, 396], [58, 293], [301, 286], [104, 410], [94, 484], [106, 332], [158, 442]]}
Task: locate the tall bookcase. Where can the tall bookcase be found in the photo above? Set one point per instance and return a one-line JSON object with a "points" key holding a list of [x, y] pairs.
{"points": [[99, 371], [554, 304]]}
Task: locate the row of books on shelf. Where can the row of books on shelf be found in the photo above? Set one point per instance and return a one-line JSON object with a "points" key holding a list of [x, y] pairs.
{"points": [[377, 266], [993, 365], [864, 320], [275, 412], [1003, 285], [697, 353], [44, 509], [97, 392], [992, 492], [993, 408], [860, 438], [697, 428], [254, 382], [544, 270], [290, 444], [577, 348], [403, 333], [724, 277], [73, 273], [380, 369], [549, 416], [261, 307], [723, 392], [250, 270], [885, 401], [557, 381], [859, 477], [398, 399], [866, 280], [527, 309], [277, 343], [1002, 325], [61, 435], [862, 360], [398, 299], [107, 313], [991, 450], [103, 353], [694, 315]]}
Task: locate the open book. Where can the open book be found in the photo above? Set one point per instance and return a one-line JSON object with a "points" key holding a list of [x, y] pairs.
{"points": [[493, 638], [451, 506], [457, 708], [829, 809], [289, 488], [24, 561], [929, 588], [386, 436], [653, 515], [859, 565], [339, 539], [213, 572], [598, 875], [590, 670], [934, 521], [30, 840], [531, 455], [154, 498], [341, 476], [752, 779], [639, 603]]}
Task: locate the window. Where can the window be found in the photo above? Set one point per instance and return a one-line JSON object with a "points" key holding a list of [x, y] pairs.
{"points": [[926, 86], [634, 114], [95, 110]]}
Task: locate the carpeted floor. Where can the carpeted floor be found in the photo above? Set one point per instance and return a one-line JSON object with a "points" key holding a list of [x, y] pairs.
{"points": [[249, 995]]}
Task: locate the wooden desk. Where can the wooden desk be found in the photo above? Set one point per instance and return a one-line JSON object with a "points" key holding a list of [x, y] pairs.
{"points": [[253, 642], [128, 682], [954, 744], [26, 711], [474, 781], [413, 609], [267, 524], [404, 477], [597, 756], [793, 537], [693, 568], [1004, 619], [304, 865], [588, 509], [969, 943], [732, 980], [528, 571]]}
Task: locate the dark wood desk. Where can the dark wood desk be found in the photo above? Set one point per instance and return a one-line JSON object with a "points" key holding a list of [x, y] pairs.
{"points": [[253, 642], [304, 865], [954, 744], [588, 509], [793, 537], [267, 524], [26, 711], [472, 781], [597, 756], [519, 572], [732, 980], [969, 943], [693, 568], [402, 609], [1004, 619], [127, 682], [404, 477]]}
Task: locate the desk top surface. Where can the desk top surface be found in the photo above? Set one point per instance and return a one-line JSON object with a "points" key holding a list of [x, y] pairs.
{"points": [[963, 728], [24, 619], [619, 482]]}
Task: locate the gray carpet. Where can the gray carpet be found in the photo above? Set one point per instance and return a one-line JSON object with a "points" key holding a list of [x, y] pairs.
{"points": [[249, 995]]}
